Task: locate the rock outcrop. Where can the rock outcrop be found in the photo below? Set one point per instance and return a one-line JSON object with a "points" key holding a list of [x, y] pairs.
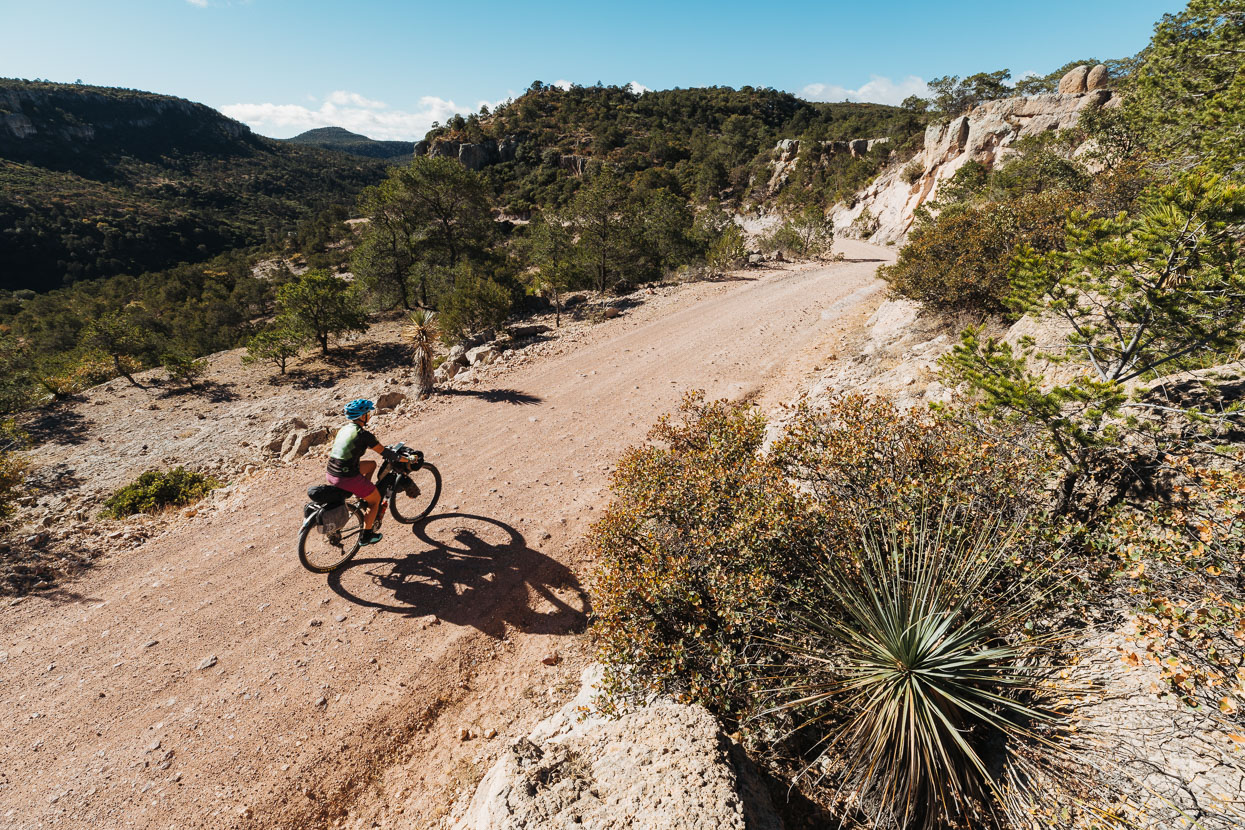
{"points": [[984, 135], [662, 767], [1098, 78], [787, 151], [297, 444], [473, 156], [1074, 82]]}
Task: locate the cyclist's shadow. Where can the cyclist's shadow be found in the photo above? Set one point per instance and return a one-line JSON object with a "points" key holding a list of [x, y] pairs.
{"points": [[467, 570]]}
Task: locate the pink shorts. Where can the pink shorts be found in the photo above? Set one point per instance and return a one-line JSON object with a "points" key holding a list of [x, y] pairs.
{"points": [[357, 484]]}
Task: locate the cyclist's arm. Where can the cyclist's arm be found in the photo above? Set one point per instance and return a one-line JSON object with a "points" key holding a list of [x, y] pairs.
{"points": [[384, 452]]}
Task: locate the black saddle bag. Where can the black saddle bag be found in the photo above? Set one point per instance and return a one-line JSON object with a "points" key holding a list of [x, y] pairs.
{"points": [[327, 494]]}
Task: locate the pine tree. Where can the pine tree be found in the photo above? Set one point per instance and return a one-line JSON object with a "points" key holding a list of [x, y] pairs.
{"points": [[322, 305], [1142, 297]]}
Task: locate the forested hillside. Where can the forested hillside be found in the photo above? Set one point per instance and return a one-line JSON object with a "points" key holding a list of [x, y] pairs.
{"points": [[705, 144], [96, 182], [336, 138]]}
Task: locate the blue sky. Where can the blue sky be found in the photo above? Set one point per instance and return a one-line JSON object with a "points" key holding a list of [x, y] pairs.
{"points": [[389, 69]]}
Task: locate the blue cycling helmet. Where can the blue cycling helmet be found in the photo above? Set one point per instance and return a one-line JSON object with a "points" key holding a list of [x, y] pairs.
{"points": [[358, 408]]}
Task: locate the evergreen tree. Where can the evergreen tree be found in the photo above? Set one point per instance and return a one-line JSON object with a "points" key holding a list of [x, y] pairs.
{"points": [[953, 96], [665, 230], [322, 305], [551, 250], [1188, 94], [604, 223], [277, 344], [384, 257], [1142, 297], [120, 337], [182, 368], [448, 208]]}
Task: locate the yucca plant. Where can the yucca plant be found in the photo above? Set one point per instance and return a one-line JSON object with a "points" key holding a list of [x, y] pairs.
{"points": [[915, 665], [421, 332]]}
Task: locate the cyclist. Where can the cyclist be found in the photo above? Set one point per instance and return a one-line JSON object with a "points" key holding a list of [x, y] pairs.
{"points": [[348, 472]]}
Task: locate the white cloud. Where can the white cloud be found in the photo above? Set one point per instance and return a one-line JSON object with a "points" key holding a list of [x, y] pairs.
{"points": [[354, 99], [562, 84], [878, 90], [638, 88], [350, 110], [200, 3]]}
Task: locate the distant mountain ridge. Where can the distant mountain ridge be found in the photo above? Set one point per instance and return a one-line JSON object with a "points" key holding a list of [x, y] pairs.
{"points": [[338, 138], [100, 181]]}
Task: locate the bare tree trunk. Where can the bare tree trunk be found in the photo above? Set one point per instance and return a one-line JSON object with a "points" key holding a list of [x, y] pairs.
{"points": [[423, 372]]}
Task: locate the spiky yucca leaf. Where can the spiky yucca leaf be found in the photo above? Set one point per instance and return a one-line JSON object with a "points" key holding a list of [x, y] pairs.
{"points": [[421, 332], [916, 665]]}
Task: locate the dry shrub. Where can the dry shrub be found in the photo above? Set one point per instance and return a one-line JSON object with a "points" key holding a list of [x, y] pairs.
{"points": [[12, 467], [708, 539], [703, 535]]}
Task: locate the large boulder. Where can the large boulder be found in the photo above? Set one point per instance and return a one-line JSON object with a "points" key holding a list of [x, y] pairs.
{"points": [[1074, 82], [476, 156], [662, 767], [1098, 78], [389, 400], [298, 443], [482, 355], [278, 433], [479, 339], [519, 332]]}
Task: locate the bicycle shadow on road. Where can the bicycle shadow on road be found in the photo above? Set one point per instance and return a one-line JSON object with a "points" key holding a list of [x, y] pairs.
{"points": [[467, 570]]}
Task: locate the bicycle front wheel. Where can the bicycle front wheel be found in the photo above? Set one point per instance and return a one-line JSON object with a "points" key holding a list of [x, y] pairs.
{"points": [[409, 509], [326, 552]]}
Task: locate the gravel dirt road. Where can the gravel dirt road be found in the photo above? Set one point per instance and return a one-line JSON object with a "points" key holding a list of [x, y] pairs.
{"points": [[206, 680]]}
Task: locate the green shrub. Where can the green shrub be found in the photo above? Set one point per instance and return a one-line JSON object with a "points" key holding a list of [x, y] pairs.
{"points": [[155, 490], [912, 172], [182, 368], [728, 249], [961, 260], [707, 543], [474, 304], [807, 234], [865, 225]]}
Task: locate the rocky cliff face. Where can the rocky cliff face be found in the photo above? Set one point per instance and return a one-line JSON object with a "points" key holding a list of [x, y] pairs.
{"points": [[472, 156], [985, 135], [787, 152], [50, 123]]}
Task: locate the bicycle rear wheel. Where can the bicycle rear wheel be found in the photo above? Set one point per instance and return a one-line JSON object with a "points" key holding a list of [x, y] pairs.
{"points": [[408, 509], [326, 552]]}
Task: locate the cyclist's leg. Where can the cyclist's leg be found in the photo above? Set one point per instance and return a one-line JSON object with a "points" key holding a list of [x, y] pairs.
{"points": [[367, 469], [373, 507]]}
